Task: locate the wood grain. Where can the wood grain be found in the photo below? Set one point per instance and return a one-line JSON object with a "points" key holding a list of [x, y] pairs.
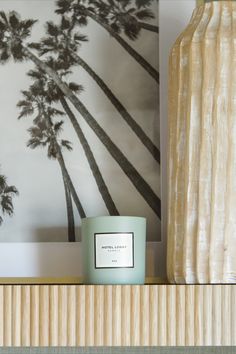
{"points": [[149, 315]]}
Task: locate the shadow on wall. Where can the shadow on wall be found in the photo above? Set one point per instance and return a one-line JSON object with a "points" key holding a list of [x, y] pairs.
{"points": [[52, 259], [54, 234]]}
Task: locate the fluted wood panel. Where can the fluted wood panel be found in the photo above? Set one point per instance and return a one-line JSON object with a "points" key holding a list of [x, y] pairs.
{"points": [[149, 315], [202, 148]]}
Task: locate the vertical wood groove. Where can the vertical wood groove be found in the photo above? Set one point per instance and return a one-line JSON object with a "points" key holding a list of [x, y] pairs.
{"points": [[162, 315], [80, 315], [44, 315], [108, 316], [53, 313], [7, 316], [149, 315], [2, 320], [71, 307], [25, 315], [16, 310], [126, 315]]}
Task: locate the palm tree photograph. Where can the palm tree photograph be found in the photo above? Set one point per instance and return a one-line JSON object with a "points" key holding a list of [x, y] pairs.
{"points": [[7, 193], [80, 121]]}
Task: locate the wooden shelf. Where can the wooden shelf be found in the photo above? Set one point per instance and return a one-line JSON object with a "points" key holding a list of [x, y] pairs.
{"points": [[149, 315]]}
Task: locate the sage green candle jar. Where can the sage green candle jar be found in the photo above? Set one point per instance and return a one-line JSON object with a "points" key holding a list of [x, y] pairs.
{"points": [[114, 249]]}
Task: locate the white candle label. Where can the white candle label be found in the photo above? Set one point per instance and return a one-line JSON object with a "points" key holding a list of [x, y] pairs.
{"points": [[114, 250]]}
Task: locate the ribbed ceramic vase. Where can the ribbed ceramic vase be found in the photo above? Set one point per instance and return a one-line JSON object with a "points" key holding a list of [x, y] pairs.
{"points": [[202, 148]]}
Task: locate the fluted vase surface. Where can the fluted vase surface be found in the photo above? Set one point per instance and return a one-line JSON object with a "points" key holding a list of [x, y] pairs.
{"points": [[202, 148]]}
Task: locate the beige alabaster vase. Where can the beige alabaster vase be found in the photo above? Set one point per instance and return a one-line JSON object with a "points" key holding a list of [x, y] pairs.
{"points": [[202, 148]]}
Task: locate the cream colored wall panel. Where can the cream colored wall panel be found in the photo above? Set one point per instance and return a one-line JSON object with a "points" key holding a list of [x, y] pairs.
{"points": [[149, 315]]}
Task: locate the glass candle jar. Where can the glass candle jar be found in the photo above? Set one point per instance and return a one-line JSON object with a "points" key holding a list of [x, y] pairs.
{"points": [[114, 249]]}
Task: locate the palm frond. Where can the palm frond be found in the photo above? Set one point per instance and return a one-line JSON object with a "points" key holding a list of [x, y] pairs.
{"points": [[11, 190], [58, 127], [14, 19], [39, 118], [5, 55], [3, 17], [34, 143], [67, 145], [3, 182], [145, 14], [63, 6], [53, 112], [116, 28], [36, 132], [35, 74], [48, 41], [28, 24], [23, 103], [52, 29], [76, 88], [80, 38], [17, 52], [25, 112], [132, 30], [25, 27], [82, 21], [52, 151], [6, 204], [34, 45], [125, 3], [65, 23], [2, 26], [143, 3]]}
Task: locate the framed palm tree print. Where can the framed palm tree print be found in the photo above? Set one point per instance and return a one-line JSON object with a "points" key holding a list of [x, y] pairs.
{"points": [[80, 128]]}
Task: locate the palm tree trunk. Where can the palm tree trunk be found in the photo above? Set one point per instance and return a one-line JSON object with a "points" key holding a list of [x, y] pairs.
{"points": [[148, 27], [121, 109], [141, 185], [70, 213], [69, 183], [148, 67], [91, 160], [65, 174]]}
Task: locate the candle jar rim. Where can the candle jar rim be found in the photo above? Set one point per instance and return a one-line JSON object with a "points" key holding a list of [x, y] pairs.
{"points": [[113, 216]]}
